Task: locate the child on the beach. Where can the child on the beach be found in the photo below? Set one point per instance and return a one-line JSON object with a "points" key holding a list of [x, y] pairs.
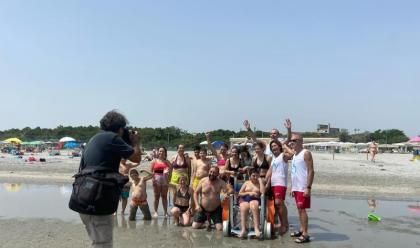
{"points": [[139, 195], [124, 169]]}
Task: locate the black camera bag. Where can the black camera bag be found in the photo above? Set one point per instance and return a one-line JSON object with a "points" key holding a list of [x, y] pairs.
{"points": [[96, 191]]}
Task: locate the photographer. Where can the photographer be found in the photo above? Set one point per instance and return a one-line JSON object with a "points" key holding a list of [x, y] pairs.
{"points": [[98, 184]]}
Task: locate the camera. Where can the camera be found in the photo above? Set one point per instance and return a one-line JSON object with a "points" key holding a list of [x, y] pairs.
{"points": [[126, 135]]}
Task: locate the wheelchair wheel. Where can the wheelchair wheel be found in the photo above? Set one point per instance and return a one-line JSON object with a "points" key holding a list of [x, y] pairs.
{"points": [[226, 229], [267, 230]]}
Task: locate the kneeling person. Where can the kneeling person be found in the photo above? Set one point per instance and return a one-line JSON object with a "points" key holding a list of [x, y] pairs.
{"points": [[182, 203], [139, 199], [209, 190]]}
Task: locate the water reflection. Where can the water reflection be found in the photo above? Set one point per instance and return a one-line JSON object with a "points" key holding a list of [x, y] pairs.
{"points": [[334, 222], [12, 187]]}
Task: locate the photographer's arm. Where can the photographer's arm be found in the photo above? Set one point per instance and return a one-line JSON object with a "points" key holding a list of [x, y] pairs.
{"points": [[135, 141]]}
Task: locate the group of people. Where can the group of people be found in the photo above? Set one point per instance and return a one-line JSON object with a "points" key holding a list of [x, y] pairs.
{"points": [[199, 186]]}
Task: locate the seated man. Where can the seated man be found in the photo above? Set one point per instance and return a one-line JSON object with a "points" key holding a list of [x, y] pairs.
{"points": [[250, 197], [209, 190]]}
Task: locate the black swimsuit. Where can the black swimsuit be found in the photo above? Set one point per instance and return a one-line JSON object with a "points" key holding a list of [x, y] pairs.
{"points": [[186, 197], [264, 165]]}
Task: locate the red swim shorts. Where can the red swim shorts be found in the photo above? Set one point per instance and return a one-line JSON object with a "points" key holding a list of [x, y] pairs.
{"points": [[279, 192], [302, 202]]}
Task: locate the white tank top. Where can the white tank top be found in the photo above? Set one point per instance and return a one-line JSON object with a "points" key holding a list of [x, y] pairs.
{"points": [[299, 172], [279, 170]]}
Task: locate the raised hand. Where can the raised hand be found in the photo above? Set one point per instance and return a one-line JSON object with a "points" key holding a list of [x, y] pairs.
{"points": [[288, 124], [247, 125]]}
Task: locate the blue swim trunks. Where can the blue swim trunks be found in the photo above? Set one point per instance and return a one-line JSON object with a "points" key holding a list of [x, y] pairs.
{"points": [[125, 194]]}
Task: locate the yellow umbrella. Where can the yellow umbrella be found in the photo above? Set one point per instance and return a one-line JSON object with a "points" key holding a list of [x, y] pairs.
{"points": [[13, 140]]}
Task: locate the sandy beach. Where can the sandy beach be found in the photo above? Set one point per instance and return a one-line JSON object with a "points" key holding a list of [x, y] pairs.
{"points": [[393, 176], [338, 216]]}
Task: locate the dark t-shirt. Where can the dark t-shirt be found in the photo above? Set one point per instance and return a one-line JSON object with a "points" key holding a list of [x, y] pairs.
{"points": [[105, 149]]}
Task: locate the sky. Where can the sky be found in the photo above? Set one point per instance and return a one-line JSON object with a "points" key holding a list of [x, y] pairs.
{"points": [[206, 65]]}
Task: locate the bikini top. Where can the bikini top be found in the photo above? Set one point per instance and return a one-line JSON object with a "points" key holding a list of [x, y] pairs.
{"points": [[175, 164], [221, 162], [234, 167], [264, 165], [179, 194], [159, 167]]}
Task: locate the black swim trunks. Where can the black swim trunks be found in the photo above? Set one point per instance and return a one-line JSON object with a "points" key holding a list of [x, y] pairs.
{"points": [[215, 215]]}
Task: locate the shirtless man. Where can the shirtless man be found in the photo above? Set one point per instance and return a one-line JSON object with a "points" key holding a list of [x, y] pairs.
{"points": [[139, 198], [200, 168], [373, 150], [125, 167], [209, 189], [274, 134], [196, 155]]}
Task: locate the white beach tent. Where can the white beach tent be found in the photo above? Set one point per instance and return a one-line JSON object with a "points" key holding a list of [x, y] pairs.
{"points": [[66, 139]]}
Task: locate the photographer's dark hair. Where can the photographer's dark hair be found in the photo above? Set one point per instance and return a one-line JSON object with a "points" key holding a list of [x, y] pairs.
{"points": [[112, 121]]}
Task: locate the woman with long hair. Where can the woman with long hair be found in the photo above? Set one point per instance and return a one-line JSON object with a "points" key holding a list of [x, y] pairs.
{"points": [[181, 166], [261, 162], [277, 179], [161, 169]]}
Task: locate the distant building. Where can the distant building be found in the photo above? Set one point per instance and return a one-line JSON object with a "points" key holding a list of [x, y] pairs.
{"points": [[327, 129]]}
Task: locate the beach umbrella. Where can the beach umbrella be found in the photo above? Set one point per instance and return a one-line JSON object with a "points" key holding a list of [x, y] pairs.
{"points": [[38, 142], [71, 145], [66, 139], [203, 143], [217, 143], [415, 139], [13, 140]]}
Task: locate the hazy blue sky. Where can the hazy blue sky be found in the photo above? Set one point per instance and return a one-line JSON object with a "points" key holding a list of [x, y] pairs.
{"points": [[204, 65]]}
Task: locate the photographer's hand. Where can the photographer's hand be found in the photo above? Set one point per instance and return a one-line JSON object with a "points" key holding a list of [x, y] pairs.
{"points": [[134, 138]]}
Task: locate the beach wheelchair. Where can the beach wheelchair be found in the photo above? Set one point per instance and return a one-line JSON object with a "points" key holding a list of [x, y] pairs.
{"points": [[232, 219]]}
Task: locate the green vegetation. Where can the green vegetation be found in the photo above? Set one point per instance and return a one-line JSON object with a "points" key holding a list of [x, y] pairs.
{"points": [[380, 136], [172, 136], [150, 137]]}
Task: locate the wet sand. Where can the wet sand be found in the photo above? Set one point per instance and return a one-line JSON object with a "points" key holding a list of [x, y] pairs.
{"points": [[338, 220], [334, 222]]}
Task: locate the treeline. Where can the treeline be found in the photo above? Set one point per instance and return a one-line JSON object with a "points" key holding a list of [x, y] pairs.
{"points": [[150, 137], [390, 136], [172, 136]]}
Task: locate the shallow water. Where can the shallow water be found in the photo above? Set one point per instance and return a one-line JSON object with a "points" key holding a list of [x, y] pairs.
{"points": [[334, 222]]}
